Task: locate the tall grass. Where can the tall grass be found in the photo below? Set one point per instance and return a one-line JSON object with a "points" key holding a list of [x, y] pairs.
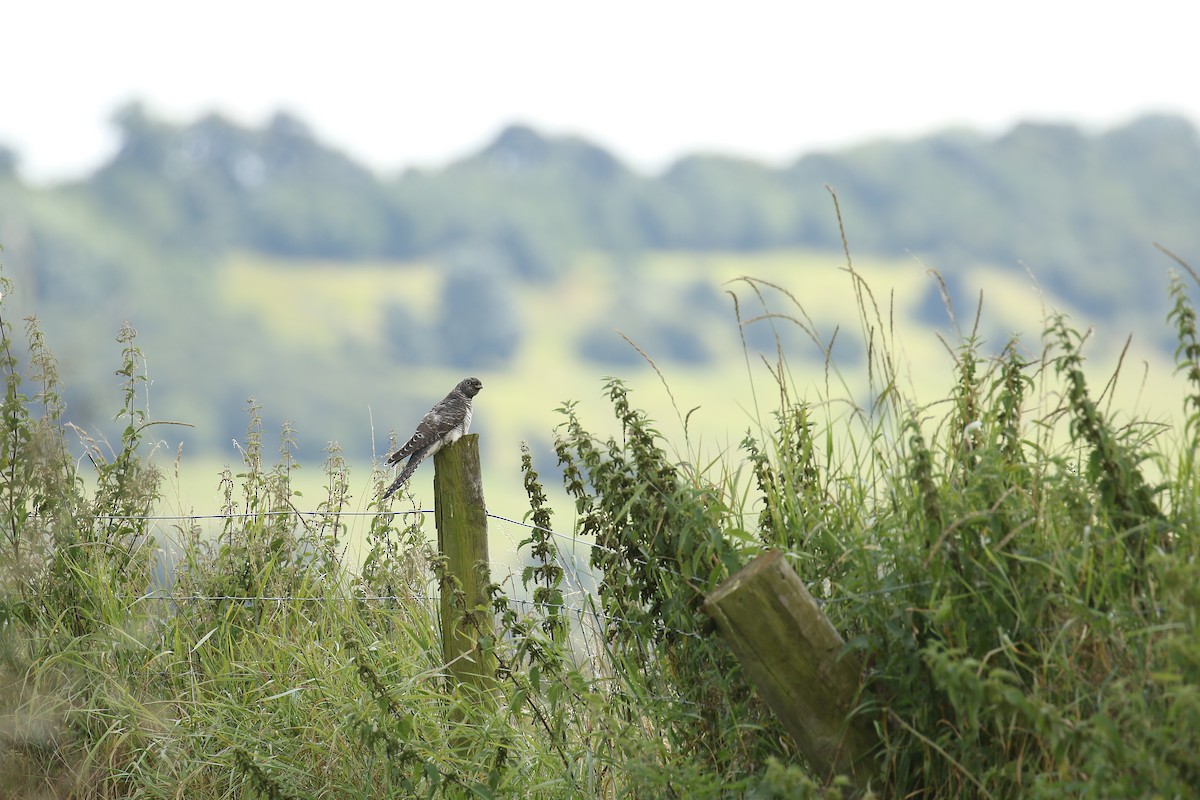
{"points": [[1020, 586]]}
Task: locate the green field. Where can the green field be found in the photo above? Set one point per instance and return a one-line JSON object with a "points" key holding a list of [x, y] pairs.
{"points": [[1000, 517], [1012, 565], [329, 310]]}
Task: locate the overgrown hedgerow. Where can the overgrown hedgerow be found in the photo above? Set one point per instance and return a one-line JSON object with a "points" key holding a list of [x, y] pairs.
{"points": [[1020, 588]]}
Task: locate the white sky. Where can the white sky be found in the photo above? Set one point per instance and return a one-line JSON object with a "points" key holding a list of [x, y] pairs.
{"points": [[403, 83]]}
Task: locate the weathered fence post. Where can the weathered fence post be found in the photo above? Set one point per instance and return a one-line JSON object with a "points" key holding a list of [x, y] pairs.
{"points": [[790, 651], [468, 628]]}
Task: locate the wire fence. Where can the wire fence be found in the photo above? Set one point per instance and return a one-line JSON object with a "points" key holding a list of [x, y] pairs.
{"points": [[580, 603], [582, 609]]}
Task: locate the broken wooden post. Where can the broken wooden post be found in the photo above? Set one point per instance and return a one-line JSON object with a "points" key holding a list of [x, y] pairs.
{"points": [[790, 652], [468, 627]]}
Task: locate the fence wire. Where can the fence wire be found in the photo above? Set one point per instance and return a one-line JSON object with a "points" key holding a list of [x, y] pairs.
{"points": [[580, 582]]}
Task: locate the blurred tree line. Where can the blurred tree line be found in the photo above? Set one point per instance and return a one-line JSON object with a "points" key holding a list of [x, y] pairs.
{"points": [[139, 237], [1073, 206]]}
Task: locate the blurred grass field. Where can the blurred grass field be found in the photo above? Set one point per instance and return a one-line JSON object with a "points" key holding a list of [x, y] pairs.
{"points": [[327, 307]]}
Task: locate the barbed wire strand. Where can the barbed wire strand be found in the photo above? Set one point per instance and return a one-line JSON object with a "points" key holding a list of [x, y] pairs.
{"points": [[570, 567]]}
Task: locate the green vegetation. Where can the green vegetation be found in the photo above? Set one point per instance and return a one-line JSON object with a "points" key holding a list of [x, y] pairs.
{"points": [[1015, 565], [360, 291], [1080, 209]]}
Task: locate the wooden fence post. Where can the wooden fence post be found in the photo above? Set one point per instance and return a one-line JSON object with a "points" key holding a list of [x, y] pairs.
{"points": [[790, 651], [468, 627]]}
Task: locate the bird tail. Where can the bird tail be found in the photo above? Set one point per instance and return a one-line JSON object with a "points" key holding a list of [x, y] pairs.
{"points": [[404, 475]]}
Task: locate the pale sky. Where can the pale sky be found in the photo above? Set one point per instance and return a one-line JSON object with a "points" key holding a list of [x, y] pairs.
{"points": [[398, 84]]}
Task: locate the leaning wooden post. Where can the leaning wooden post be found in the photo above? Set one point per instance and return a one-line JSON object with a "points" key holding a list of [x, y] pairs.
{"points": [[790, 652], [468, 628]]}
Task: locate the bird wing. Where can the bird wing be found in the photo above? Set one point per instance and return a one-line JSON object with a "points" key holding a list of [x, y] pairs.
{"points": [[443, 417]]}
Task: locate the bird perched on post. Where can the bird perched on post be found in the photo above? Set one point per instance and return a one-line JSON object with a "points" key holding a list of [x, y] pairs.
{"points": [[446, 422]]}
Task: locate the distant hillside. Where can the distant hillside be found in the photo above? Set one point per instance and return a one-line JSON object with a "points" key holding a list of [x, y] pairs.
{"points": [[260, 262], [1081, 210]]}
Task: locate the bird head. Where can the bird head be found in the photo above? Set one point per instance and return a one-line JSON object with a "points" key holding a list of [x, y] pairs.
{"points": [[470, 386]]}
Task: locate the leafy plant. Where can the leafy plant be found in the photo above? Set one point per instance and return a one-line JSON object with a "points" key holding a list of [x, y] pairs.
{"points": [[1014, 568]]}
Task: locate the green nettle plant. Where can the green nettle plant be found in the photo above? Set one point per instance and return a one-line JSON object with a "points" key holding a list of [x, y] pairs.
{"points": [[72, 571], [660, 545], [37, 490], [1015, 568]]}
